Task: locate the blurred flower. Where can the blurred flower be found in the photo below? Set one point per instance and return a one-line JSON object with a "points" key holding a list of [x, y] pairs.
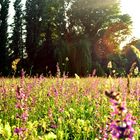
{"points": [[67, 59], [14, 64], [114, 71], [109, 65]]}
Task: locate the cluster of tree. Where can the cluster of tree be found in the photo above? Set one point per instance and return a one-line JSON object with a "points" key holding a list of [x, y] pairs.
{"points": [[79, 35]]}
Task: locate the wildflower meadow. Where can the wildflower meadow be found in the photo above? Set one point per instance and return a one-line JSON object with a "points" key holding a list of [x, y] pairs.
{"points": [[65, 108]]}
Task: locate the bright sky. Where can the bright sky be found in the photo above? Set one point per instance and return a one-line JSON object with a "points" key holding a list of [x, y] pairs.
{"points": [[131, 7]]}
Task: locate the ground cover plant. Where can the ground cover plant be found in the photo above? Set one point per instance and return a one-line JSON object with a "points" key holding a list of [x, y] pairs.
{"points": [[69, 108]]}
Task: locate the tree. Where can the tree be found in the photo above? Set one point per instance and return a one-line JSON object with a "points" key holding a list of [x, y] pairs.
{"points": [[45, 26], [101, 23], [53, 28], [17, 35], [85, 31], [3, 36], [33, 19]]}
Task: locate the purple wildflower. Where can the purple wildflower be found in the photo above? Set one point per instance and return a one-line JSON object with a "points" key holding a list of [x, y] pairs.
{"points": [[121, 124], [24, 116], [19, 131], [22, 106]]}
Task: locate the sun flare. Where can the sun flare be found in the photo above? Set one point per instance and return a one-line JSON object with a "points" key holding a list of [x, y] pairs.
{"points": [[132, 7]]}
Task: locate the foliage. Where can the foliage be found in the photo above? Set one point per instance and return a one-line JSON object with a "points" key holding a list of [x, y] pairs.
{"points": [[119, 62], [132, 53]]}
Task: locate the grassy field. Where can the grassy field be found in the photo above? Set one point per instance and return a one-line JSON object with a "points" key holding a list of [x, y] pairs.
{"points": [[69, 108]]}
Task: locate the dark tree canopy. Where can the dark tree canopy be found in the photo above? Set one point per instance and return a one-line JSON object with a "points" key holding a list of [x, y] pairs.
{"points": [[4, 37]]}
